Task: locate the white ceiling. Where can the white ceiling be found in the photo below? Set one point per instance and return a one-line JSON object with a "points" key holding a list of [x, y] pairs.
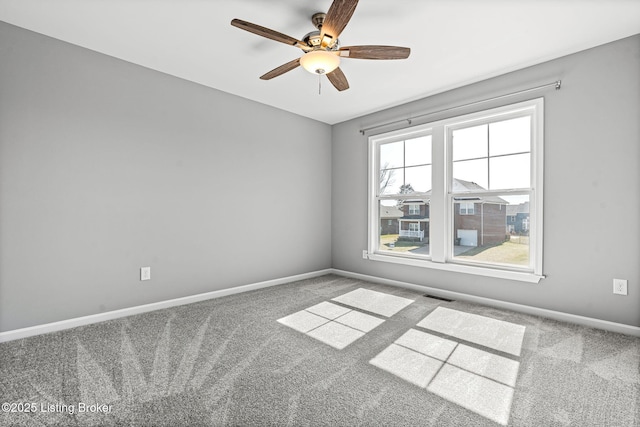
{"points": [[453, 42]]}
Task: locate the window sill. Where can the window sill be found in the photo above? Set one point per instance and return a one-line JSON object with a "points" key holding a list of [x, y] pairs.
{"points": [[521, 276]]}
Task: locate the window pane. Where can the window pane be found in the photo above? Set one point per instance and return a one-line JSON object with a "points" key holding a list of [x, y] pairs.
{"points": [[404, 226], [510, 136], [497, 232], [471, 171], [390, 180], [510, 171], [470, 143], [418, 151], [392, 155], [418, 177]]}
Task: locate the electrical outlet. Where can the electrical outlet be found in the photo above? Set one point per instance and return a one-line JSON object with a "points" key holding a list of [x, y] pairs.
{"points": [[620, 286], [365, 254], [145, 273]]}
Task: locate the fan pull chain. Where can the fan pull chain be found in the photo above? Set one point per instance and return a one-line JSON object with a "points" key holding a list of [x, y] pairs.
{"points": [[319, 84]]}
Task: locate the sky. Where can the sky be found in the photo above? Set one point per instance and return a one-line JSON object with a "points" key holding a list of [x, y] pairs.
{"points": [[495, 156]]}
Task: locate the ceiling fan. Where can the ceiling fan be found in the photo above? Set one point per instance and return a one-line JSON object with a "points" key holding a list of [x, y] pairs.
{"points": [[322, 50]]}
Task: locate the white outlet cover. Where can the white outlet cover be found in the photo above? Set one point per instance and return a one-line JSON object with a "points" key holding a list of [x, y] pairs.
{"points": [[145, 273], [620, 286]]}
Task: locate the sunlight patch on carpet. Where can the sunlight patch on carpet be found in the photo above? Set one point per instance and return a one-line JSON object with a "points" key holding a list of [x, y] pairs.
{"points": [[486, 364], [374, 302], [474, 378], [332, 324], [496, 334], [478, 394], [303, 321], [409, 365], [336, 335], [427, 344]]}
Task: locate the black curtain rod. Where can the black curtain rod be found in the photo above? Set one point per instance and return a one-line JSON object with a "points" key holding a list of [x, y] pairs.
{"points": [[557, 84]]}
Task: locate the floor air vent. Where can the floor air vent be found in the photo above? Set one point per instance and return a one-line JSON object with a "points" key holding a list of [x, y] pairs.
{"points": [[439, 298]]}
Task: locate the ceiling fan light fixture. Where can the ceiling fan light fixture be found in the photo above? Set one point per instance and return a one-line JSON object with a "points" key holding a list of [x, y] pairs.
{"points": [[320, 61]]}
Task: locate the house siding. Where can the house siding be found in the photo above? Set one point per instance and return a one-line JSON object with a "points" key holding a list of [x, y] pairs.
{"points": [[489, 220], [388, 226]]}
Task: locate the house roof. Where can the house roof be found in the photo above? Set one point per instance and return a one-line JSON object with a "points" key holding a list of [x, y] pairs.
{"points": [[516, 209], [460, 185], [390, 212]]}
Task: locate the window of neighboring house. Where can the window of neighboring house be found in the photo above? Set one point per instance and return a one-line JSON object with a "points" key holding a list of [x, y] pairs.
{"points": [[414, 226], [493, 158], [467, 208], [389, 222]]}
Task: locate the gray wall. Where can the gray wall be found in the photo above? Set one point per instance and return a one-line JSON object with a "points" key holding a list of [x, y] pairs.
{"points": [[592, 186], [106, 167]]}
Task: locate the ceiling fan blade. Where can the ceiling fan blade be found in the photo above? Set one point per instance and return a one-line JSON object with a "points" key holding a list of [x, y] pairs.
{"points": [[281, 69], [266, 32], [375, 52], [338, 17], [338, 79]]}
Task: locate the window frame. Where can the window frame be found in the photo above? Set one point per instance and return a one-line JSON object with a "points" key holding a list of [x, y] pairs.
{"points": [[441, 197]]}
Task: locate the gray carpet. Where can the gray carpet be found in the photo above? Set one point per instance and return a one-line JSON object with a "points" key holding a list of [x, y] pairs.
{"points": [[229, 361]]}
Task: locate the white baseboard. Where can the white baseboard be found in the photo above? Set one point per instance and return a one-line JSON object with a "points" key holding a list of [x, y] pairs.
{"points": [[116, 314], [550, 314], [130, 311]]}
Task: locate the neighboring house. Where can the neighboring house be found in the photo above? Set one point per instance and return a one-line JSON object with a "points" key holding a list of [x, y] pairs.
{"points": [[389, 216], [414, 223], [478, 221], [518, 218]]}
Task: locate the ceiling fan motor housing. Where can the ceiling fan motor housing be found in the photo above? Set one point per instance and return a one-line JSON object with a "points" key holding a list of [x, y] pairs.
{"points": [[314, 39]]}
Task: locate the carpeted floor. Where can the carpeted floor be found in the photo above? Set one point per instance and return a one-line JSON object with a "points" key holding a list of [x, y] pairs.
{"points": [[324, 351]]}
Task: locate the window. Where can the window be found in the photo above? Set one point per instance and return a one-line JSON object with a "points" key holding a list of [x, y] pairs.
{"points": [[467, 208], [475, 175], [402, 180]]}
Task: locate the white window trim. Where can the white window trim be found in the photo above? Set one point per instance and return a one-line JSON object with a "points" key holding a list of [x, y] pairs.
{"points": [[441, 216]]}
